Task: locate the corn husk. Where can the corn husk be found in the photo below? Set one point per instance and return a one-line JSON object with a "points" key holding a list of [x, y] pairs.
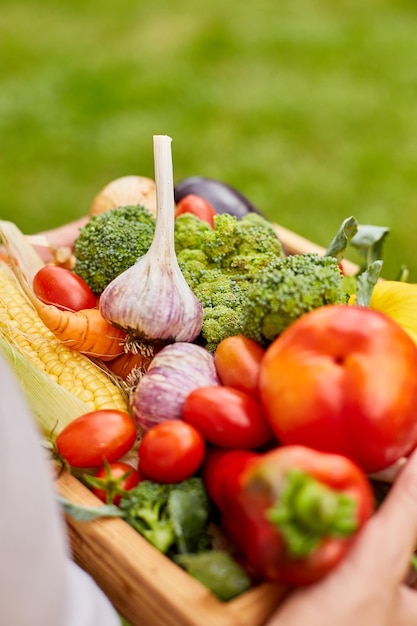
{"points": [[51, 404], [54, 403]]}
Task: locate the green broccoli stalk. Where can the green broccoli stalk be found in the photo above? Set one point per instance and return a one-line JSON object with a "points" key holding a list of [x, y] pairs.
{"points": [[144, 509], [111, 242], [286, 289], [172, 517]]}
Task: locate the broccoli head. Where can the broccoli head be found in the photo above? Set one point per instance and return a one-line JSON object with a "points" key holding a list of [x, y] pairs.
{"points": [[111, 242], [286, 289], [220, 264]]}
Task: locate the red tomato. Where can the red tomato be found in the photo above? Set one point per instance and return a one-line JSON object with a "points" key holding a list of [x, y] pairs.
{"points": [[237, 360], [198, 206], [170, 452], [61, 287], [95, 436], [227, 417], [115, 478], [342, 379]]}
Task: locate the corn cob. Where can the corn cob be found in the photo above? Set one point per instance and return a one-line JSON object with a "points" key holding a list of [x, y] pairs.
{"points": [[24, 331]]}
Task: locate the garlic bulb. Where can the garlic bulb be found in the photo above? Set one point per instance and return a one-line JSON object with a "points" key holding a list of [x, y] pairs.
{"points": [[151, 300], [125, 191]]}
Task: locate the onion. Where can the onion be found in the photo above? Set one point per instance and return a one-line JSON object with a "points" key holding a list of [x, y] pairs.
{"points": [[174, 372]]}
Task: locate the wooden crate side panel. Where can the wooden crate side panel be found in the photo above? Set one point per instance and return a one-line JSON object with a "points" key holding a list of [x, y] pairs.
{"points": [[145, 586]]}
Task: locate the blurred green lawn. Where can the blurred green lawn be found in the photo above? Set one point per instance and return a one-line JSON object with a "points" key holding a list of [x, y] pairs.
{"points": [[307, 106]]}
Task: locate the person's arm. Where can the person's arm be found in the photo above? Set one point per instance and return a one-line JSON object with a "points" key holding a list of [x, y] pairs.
{"points": [[39, 584], [368, 588]]}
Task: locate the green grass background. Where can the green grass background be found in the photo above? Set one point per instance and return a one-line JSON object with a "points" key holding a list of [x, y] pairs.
{"points": [[309, 107]]}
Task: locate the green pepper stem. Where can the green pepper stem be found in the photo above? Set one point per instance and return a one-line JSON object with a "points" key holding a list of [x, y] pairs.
{"points": [[308, 511]]}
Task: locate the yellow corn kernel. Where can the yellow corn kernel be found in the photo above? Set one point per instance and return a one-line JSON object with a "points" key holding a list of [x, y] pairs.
{"points": [[22, 328]]}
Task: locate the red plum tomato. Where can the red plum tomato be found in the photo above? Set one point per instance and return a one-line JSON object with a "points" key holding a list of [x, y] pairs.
{"points": [[63, 288], [89, 439], [227, 417], [237, 360], [171, 451]]}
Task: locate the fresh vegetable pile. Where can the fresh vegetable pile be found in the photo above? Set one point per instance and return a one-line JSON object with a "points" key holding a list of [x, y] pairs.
{"points": [[261, 392]]}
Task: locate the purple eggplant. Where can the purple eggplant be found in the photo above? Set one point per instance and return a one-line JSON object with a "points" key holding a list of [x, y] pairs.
{"points": [[223, 197]]}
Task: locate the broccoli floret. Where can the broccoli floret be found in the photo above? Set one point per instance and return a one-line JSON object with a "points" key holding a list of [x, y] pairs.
{"points": [[218, 289], [222, 240], [220, 322], [222, 298], [111, 242], [190, 232], [173, 516], [220, 264], [257, 235], [258, 245], [193, 262], [286, 289]]}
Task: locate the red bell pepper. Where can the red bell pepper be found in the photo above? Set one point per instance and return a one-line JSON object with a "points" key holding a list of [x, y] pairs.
{"points": [[293, 512], [221, 471]]}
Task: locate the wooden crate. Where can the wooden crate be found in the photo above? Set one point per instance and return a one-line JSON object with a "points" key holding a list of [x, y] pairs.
{"points": [[145, 586]]}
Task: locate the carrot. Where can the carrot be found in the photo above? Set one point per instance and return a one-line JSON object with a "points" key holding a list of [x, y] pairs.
{"points": [[85, 331], [4, 257]]}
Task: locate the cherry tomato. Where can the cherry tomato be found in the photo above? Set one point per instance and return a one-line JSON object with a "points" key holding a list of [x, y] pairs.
{"points": [[63, 288], [198, 206], [227, 417], [170, 452], [95, 436], [237, 360], [115, 479]]}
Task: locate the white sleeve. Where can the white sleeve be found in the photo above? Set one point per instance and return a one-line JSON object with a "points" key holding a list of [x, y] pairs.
{"points": [[87, 604], [39, 584]]}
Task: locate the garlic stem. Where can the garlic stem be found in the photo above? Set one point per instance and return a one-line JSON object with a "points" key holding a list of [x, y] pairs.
{"points": [[163, 241], [151, 300]]}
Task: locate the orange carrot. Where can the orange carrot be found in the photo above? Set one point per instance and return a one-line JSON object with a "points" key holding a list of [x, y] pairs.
{"points": [[85, 331], [4, 257]]}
